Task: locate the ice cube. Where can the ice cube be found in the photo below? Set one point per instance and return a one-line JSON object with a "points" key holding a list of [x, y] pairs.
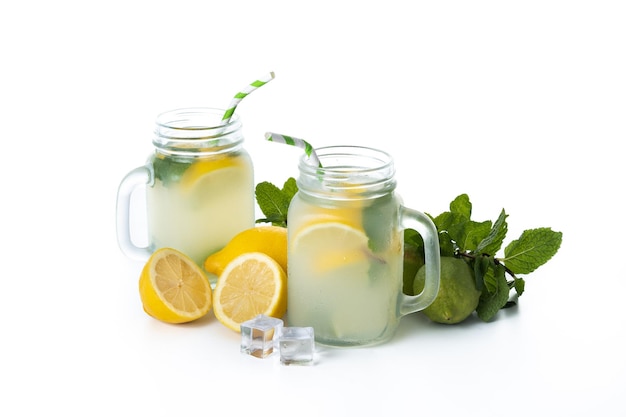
{"points": [[297, 346], [259, 336]]}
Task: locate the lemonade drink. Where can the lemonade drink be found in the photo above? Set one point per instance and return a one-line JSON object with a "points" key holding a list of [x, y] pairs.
{"points": [[196, 205], [347, 258], [345, 249]]}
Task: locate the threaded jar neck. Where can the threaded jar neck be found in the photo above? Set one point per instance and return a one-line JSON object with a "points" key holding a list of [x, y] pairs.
{"points": [[196, 131], [347, 173]]}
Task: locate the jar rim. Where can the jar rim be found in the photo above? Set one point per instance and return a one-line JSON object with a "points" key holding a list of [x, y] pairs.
{"points": [[378, 160], [196, 129], [177, 119], [347, 171]]}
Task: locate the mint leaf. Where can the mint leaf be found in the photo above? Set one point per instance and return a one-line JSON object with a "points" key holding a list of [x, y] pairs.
{"points": [[290, 188], [491, 301], [447, 247], [456, 231], [493, 242], [376, 218], [460, 211], [169, 170], [447, 219], [461, 206], [490, 282], [481, 267], [534, 248], [273, 202], [469, 234], [275, 219], [519, 285], [443, 222]]}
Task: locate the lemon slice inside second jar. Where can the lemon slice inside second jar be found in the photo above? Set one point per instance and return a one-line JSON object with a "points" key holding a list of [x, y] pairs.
{"points": [[325, 247]]}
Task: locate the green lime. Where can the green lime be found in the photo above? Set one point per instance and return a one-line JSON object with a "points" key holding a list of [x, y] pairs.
{"points": [[457, 297]]}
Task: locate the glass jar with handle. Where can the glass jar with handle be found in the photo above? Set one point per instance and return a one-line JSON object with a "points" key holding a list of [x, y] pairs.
{"points": [[199, 186], [345, 248]]}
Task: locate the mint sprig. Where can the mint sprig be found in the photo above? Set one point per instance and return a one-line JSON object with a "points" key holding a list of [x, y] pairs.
{"points": [[480, 242], [274, 201]]}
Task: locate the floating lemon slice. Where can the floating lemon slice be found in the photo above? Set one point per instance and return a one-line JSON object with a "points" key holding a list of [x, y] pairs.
{"points": [[347, 215], [252, 284], [207, 170], [173, 288], [322, 247]]}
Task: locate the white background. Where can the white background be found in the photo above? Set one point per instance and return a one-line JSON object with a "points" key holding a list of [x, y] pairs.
{"points": [[519, 104]]}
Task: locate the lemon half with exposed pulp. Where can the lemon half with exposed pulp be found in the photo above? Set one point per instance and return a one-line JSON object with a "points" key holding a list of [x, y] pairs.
{"points": [[251, 284], [173, 288]]}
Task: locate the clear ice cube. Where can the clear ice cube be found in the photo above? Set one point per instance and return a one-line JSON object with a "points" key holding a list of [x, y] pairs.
{"points": [[297, 346], [259, 336]]}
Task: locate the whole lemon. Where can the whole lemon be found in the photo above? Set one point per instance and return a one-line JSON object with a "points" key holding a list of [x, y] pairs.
{"points": [[457, 297], [270, 240]]}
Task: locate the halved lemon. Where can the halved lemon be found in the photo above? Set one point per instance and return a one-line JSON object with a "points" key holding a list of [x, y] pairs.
{"points": [[173, 288], [251, 284]]}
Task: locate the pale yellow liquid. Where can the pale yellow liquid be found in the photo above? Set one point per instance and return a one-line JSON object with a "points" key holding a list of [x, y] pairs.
{"points": [[198, 211], [349, 297]]}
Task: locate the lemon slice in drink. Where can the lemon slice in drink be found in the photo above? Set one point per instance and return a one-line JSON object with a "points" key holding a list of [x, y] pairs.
{"points": [[206, 170], [173, 288], [349, 214], [323, 247], [251, 284]]}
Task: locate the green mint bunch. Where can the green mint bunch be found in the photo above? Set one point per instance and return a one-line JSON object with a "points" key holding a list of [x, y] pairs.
{"points": [[479, 243]]}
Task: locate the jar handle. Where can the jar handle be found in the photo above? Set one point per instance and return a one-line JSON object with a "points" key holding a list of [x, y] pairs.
{"points": [[426, 228], [134, 179]]}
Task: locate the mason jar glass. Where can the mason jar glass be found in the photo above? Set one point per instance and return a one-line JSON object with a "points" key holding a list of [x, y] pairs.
{"points": [[345, 248], [199, 185]]}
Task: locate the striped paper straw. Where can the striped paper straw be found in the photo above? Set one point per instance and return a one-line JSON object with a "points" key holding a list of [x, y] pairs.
{"points": [[243, 94], [300, 143]]}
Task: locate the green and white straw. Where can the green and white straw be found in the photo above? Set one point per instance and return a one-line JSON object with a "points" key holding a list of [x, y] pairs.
{"points": [[300, 143], [243, 94]]}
